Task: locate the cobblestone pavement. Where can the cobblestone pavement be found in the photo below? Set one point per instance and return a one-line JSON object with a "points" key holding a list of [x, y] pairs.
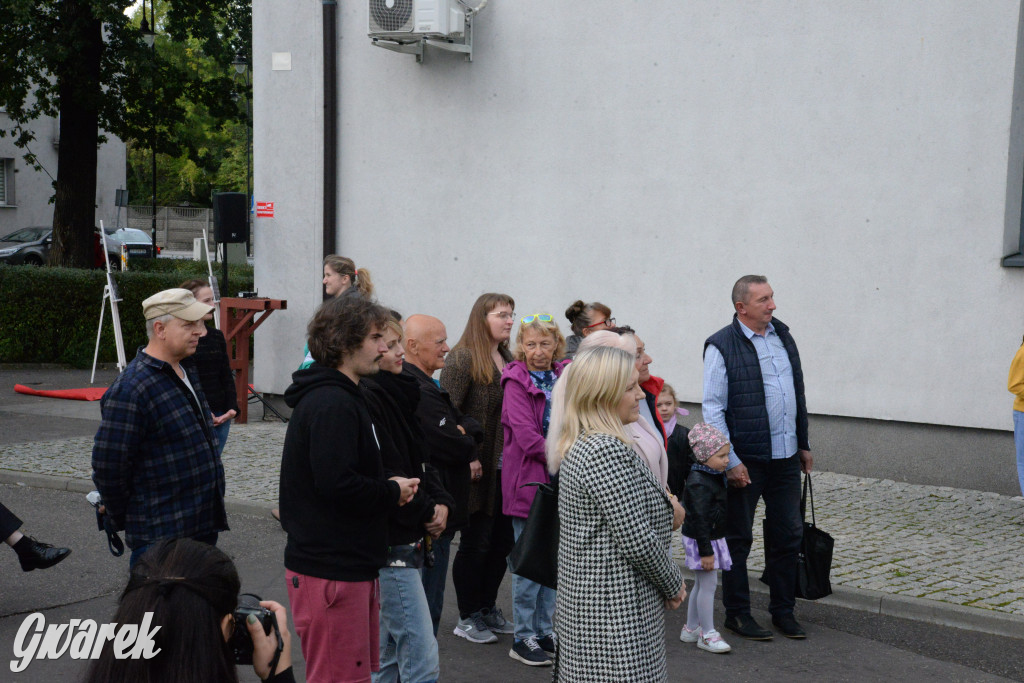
{"points": [[938, 543]]}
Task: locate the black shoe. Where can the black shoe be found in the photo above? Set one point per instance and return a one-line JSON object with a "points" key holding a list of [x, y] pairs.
{"points": [[744, 625], [41, 555], [789, 627]]}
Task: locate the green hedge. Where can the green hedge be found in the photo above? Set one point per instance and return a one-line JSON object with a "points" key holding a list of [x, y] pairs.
{"points": [[187, 269], [50, 315]]}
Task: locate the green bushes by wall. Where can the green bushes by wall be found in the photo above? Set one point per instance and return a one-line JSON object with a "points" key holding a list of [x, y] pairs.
{"points": [[50, 315]]}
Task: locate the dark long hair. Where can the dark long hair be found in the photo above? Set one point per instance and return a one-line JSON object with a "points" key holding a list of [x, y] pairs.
{"points": [[477, 337], [189, 587]]}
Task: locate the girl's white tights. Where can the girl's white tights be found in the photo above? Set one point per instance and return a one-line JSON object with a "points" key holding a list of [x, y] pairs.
{"points": [[700, 611]]}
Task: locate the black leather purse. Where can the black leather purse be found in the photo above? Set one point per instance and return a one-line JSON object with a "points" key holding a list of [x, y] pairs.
{"points": [[535, 554]]}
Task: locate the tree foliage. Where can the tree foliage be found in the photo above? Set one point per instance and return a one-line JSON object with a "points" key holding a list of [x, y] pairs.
{"points": [[85, 61]]}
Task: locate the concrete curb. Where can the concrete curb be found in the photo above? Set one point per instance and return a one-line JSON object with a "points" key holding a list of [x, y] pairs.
{"points": [[862, 600]]}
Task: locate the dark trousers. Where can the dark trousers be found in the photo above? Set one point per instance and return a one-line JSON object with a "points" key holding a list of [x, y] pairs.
{"points": [[778, 482], [481, 560], [9, 522], [434, 578]]}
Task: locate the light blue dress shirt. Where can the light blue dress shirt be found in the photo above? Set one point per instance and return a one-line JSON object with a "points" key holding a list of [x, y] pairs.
{"points": [[779, 391]]}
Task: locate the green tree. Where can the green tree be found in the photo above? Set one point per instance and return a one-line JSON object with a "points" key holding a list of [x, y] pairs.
{"points": [[205, 144], [85, 61]]}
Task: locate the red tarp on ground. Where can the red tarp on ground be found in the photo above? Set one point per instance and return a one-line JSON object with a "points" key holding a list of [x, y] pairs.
{"points": [[87, 394]]}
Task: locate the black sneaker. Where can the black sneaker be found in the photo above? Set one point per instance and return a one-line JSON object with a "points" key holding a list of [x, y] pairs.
{"points": [[528, 652], [744, 625], [789, 626], [547, 643]]}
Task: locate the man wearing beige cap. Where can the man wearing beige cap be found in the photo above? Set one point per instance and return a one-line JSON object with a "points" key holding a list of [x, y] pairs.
{"points": [[154, 458]]}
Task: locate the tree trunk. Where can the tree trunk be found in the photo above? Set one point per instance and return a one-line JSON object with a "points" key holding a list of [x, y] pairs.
{"points": [[74, 212]]}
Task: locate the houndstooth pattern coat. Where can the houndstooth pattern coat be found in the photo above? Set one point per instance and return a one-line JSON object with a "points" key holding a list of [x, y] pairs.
{"points": [[614, 566]]}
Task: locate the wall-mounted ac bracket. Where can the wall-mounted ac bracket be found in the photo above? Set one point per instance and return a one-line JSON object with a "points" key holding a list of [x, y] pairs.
{"points": [[417, 47]]}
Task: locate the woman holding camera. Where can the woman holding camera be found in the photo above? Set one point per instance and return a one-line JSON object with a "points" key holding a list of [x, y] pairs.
{"points": [[192, 590]]}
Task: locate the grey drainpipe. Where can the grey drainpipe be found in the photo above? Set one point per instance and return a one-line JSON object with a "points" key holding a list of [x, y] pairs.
{"points": [[330, 12]]}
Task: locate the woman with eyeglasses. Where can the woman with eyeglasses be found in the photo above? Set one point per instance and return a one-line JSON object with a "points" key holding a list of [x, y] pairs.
{"points": [[527, 383], [584, 319], [472, 378]]}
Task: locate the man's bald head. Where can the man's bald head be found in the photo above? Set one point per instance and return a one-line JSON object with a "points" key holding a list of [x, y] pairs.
{"points": [[425, 342]]}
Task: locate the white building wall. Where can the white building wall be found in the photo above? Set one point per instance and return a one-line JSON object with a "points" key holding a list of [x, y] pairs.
{"points": [[33, 189], [646, 155]]}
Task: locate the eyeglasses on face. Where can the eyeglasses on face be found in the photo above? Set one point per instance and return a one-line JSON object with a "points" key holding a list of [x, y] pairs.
{"points": [[504, 315], [609, 323], [543, 317]]}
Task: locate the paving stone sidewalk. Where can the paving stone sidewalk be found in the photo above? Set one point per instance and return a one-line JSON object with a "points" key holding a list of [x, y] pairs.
{"points": [[937, 543]]}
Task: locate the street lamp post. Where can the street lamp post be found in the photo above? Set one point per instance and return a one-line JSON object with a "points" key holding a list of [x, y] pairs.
{"points": [[148, 30]]}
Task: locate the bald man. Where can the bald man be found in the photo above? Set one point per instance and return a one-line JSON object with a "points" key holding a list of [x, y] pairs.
{"points": [[451, 442]]}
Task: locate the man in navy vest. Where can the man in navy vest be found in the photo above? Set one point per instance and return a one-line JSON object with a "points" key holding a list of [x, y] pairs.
{"points": [[754, 394]]}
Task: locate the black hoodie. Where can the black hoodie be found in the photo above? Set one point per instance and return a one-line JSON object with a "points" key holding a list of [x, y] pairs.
{"points": [[392, 400], [334, 497]]}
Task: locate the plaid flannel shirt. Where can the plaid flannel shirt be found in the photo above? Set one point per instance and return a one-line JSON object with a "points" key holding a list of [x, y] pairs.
{"points": [[154, 457]]}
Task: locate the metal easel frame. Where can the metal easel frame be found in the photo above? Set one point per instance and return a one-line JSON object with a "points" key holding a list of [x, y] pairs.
{"points": [[214, 285], [109, 293]]}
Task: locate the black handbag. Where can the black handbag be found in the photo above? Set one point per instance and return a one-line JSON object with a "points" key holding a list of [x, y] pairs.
{"points": [[535, 554], [814, 562]]}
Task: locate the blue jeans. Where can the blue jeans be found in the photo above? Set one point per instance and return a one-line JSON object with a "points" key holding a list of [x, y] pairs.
{"points": [[434, 578], [210, 539], [222, 435], [533, 605], [778, 482], [1018, 441], [408, 648]]}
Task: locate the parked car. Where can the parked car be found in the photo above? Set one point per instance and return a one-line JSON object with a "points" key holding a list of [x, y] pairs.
{"points": [[31, 246], [27, 246], [138, 242]]}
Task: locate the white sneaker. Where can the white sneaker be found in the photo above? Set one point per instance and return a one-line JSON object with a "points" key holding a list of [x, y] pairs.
{"points": [[712, 642], [688, 636]]}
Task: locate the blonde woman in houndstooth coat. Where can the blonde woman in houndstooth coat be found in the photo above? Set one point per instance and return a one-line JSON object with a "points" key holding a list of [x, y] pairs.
{"points": [[615, 573]]}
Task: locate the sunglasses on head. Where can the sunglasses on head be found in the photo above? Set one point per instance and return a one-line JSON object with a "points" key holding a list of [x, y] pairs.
{"points": [[543, 317]]}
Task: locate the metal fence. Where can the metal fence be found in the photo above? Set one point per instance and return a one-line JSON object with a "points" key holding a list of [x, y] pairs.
{"points": [[176, 226]]}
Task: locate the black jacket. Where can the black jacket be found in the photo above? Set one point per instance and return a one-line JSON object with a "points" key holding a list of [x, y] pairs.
{"points": [[680, 459], [448, 450], [334, 497], [704, 500], [212, 364], [392, 400]]}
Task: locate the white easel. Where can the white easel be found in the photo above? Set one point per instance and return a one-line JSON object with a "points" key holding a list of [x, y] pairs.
{"points": [[109, 292], [213, 282]]}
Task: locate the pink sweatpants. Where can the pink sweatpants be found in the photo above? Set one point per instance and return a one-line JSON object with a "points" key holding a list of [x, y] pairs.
{"points": [[338, 623]]}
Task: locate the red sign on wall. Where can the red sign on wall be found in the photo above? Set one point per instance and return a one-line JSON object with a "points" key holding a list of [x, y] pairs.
{"points": [[265, 209]]}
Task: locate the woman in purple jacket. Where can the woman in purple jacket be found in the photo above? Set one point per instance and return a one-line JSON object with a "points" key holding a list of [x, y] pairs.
{"points": [[525, 414]]}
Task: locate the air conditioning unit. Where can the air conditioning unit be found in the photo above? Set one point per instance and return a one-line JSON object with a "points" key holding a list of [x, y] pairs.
{"points": [[413, 20]]}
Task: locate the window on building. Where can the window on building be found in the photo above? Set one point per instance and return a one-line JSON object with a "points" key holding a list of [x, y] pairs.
{"points": [[6, 181]]}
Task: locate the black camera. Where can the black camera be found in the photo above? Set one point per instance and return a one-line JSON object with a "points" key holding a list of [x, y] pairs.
{"points": [[241, 641]]}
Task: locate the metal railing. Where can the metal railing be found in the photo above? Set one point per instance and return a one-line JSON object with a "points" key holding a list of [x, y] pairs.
{"points": [[177, 227]]}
